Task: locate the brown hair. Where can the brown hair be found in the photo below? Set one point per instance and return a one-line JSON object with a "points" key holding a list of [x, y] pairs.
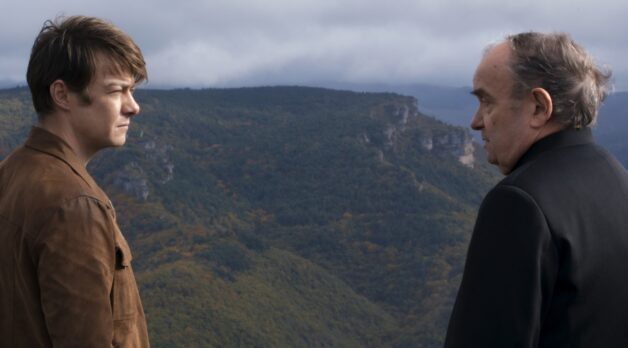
{"points": [[565, 70], [66, 50]]}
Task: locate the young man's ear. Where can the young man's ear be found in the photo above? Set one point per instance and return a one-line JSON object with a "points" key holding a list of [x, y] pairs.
{"points": [[59, 93], [543, 107]]}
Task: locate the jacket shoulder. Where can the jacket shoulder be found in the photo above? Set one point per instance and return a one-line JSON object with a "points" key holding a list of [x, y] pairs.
{"points": [[35, 183]]}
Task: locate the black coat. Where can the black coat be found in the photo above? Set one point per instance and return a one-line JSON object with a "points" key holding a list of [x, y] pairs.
{"points": [[548, 261]]}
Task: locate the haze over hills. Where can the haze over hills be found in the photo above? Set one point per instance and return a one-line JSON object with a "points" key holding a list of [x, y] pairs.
{"points": [[5, 84], [456, 106], [612, 125]]}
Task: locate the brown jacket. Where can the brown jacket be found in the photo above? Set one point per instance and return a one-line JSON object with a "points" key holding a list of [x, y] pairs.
{"points": [[65, 273]]}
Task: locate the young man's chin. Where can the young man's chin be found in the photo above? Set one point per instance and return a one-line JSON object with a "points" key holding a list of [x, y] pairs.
{"points": [[118, 141]]}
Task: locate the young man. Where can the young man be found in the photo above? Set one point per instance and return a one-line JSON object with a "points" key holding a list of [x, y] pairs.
{"points": [[65, 272], [546, 263]]}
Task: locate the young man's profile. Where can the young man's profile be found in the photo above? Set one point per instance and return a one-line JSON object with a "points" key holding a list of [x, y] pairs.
{"points": [[65, 268]]}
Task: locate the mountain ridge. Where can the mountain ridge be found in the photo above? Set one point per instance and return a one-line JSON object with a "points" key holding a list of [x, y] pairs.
{"points": [[355, 207]]}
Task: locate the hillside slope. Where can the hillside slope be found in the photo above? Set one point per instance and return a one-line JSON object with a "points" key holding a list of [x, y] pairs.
{"points": [[289, 216]]}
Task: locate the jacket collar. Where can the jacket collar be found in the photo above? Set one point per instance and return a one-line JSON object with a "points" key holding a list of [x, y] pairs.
{"points": [[42, 140], [564, 138]]}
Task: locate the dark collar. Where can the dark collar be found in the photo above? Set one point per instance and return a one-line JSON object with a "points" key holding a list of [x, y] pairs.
{"points": [[42, 140], [564, 138]]}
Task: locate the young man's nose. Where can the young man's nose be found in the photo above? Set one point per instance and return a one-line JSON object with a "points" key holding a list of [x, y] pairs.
{"points": [[130, 106]]}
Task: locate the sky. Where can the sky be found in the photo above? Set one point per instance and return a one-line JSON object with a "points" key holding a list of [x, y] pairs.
{"points": [[230, 43]]}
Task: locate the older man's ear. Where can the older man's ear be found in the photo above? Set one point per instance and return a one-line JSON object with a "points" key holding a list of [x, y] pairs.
{"points": [[543, 107]]}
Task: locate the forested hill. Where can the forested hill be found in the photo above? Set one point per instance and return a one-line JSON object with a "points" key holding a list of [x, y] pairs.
{"points": [[288, 216]]}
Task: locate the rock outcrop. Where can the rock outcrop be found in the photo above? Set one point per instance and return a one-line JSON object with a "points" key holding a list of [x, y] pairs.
{"points": [[437, 137]]}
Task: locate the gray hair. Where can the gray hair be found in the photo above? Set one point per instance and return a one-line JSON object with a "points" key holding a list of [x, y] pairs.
{"points": [[563, 68]]}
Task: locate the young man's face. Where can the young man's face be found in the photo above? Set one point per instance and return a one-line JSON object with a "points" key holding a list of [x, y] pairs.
{"points": [[502, 119], [104, 120]]}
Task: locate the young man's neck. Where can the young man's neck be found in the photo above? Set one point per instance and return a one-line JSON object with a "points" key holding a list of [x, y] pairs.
{"points": [[58, 125]]}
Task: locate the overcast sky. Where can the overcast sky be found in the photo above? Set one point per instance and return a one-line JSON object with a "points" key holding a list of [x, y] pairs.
{"points": [[207, 43]]}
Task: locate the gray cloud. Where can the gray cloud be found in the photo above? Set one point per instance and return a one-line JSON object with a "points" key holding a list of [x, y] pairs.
{"points": [[227, 43]]}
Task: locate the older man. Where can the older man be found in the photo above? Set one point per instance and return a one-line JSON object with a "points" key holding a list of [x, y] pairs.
{"points": [[65, 268], [546, 263]]}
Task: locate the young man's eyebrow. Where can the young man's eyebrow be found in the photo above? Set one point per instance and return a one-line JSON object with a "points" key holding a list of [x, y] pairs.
{"points": [[123, 84]]}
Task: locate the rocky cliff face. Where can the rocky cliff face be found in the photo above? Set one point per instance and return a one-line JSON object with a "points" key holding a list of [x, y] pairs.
{"points": [[457, 142], [152, 167], [131, 179], [159, 154], [454, 141]]}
